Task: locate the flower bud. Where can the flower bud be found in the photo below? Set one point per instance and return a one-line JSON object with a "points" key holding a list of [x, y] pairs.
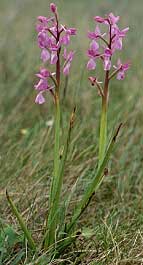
{"points": [[53, 8]]}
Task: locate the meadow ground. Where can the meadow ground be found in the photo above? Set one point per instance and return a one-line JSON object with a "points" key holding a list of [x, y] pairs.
{"points": [[112, 227]]}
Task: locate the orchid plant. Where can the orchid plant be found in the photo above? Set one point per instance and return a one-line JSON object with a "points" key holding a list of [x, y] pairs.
{"points": [[111, 42], [53, 39], [52, 36]]}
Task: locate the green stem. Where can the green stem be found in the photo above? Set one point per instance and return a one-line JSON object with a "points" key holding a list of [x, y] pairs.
{"points": [[103, 131], [21, 223], [54, 200]]}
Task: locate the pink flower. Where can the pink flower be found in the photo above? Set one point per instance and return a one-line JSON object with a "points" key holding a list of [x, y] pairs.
{"points": [[107, 59], [45, 55], [122, 69], [42, 19], [53, 8], [43, 40], [112, 19], [65, 39], [43, 23], [96, 34], [42, 85], [40, 99], [118, 35], [71, 31], [66, 69], [93, 53], [68, 59], [68, 32], [43, 73], [100, 19]]}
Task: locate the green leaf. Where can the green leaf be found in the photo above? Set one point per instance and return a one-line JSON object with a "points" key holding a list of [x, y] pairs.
{"points": [[21, 222]]}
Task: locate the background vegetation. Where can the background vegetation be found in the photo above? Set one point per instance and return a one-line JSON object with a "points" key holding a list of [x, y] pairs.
{"points": [[112, 227]]}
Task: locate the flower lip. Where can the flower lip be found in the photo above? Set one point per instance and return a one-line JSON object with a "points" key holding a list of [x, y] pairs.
{"points": [[42, 85], [40, 98], [108, 52], [93, 53]]}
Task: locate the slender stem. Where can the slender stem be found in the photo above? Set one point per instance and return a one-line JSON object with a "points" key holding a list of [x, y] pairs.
{"points": [[103, 131], [54, 198], [52, 217]]}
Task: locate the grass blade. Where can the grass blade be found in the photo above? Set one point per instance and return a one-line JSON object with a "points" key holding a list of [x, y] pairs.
{"points": [[94, 184], [21, 222]]}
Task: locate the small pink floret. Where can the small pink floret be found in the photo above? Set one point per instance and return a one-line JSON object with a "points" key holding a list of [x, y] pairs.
{"points": [[40, 99]]}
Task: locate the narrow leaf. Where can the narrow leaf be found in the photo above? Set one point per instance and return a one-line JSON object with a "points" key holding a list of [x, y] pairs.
{"points": [[21, 222]]}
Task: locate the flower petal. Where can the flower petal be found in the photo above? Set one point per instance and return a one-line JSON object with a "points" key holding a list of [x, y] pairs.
{"points": [[40, 99], [91, 65]]}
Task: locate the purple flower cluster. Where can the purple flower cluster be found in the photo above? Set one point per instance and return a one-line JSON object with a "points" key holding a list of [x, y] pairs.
{"points": [[112, 41], [51, 37]]}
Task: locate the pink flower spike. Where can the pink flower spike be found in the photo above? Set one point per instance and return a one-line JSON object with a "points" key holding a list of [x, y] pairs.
{"points": [[91, 65], [54, 57], [40, 99], [53, 8], [45, 55]]}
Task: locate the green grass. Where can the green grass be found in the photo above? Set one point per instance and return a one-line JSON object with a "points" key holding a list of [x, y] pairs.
{"points": [[112, 227]]}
